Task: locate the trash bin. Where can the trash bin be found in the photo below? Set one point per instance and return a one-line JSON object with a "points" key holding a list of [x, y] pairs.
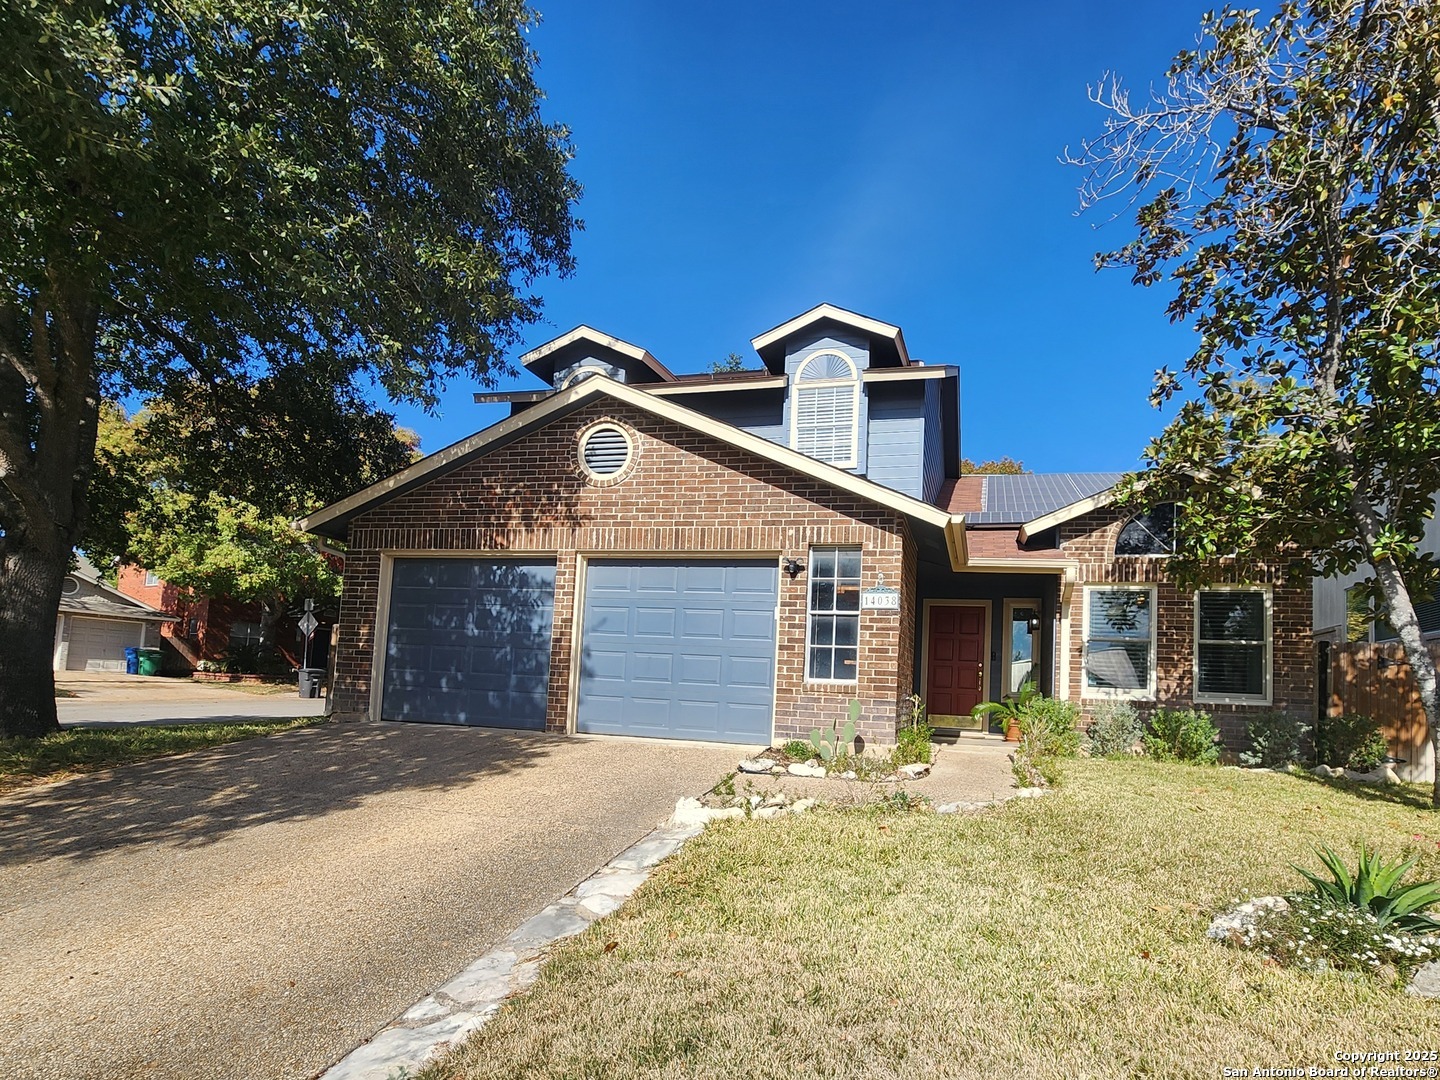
{"points": [[310, 680], [132, 660], [150, 661]]}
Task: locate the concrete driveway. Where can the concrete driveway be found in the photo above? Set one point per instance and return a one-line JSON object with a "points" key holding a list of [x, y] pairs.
{"points": [[261, 908], [105, 699]]}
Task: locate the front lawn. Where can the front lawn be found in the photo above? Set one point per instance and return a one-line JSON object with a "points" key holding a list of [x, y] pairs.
{"points": [[1054, 937], [80, 750]]}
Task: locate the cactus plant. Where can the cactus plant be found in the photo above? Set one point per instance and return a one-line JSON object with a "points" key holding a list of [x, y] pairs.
{"points": [[829, 745]]}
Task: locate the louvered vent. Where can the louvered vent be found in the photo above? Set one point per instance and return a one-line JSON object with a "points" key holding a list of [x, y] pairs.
{"points": [[606, 451]]}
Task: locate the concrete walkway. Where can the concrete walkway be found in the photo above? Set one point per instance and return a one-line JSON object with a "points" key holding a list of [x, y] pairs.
{"points": [[262, 908]]}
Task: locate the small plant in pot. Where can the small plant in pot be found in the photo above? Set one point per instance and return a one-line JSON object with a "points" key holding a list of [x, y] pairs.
{"points": [[1007, 712]]}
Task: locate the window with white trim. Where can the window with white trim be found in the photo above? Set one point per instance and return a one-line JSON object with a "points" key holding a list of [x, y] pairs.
{"points": [[1232, 645], [151, 579], [833, 646], [825, 409], [1120, 641]]}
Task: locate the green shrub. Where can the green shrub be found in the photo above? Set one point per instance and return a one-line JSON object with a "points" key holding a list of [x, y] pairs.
{"points": [[1048, 727], [912, 743], [1114, 729], [1276, 740], [1032, 768], [1351, 741], [1375, 888], [798, 750], [1187, 735]]}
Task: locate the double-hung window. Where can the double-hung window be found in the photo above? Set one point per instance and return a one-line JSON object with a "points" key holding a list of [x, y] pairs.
{"points": [[832, 653], [1120, 641], [1232, 645]]}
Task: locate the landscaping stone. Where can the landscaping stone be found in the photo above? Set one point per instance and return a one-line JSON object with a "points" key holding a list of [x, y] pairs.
{"points": [[756, 765], [848, 774], [1239, 925], [915, 771], [1426, 981], [805, 768], [691, 813], [799, 806], [766, 812], [1383, 775], [779, 798], [1029, 792], [1327, 772]]}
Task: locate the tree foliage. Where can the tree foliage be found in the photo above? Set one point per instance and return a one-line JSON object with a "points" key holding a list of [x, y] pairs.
{"points": [[201, 195], [1003, 466], [1284, 184], [733, 362]]}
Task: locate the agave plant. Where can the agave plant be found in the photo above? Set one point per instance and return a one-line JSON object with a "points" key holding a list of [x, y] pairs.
{"points": [[1375, 887]]}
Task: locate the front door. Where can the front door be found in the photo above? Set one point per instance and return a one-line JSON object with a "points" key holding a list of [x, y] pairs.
{"points": [[955, 664]]}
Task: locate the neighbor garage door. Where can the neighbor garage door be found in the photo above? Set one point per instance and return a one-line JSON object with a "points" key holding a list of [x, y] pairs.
{"points": [[679, 650], [468, 642], [100, 644]]}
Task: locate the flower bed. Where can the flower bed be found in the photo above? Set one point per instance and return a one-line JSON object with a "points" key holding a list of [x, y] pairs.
{"points": [[253, 680]]}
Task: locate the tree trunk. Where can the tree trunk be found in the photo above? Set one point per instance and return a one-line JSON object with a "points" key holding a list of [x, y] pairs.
{"points": [[30, 580], [272, 609], [1400, 613]]}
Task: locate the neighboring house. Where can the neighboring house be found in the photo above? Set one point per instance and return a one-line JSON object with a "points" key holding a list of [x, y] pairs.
{"points": [[206, 629], [734, 557], [1362, 667], [98, 623]]}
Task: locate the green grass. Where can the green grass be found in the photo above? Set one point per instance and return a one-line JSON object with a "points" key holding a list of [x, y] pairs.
{"points": [[1054, 937], [80, 750]]}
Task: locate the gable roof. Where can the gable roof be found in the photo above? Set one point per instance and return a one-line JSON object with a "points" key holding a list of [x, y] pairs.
{"points": [[333, 520], [767, 343], [541, 359], [106, 600]]}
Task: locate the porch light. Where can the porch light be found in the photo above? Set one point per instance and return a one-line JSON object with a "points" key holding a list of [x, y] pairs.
{"points": [[793, 568]]}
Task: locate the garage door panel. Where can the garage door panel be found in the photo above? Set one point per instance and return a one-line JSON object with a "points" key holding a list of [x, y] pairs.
{"points": [[468, 641], [99, 644], [697, 664]]}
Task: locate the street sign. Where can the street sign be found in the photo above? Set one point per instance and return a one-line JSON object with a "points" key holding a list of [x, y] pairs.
{"points": [[308, 623]]}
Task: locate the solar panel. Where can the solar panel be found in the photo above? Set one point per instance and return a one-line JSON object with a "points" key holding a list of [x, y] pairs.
{"points": [[1014, 500]]}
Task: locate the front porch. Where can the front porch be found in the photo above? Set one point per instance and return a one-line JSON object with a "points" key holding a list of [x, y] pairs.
{"points": [[980, 637]]}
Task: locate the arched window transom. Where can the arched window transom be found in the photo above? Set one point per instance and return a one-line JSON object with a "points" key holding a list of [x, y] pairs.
{"points": [[1149, 533], [825, 409]]}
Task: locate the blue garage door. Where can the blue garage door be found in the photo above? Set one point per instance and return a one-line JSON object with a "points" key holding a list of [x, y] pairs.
{"points": [[679, 650], [469, 642]]}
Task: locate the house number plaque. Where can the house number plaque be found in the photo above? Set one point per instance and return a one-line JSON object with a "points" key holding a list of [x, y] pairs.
{"points": [[881, 598]]}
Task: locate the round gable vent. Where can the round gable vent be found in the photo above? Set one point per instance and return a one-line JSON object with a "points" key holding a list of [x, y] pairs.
{"points": [[605, 451]]}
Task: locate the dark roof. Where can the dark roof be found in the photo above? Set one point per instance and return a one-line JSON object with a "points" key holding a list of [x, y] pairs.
{"points": [[115, 607], [1014, 500]]}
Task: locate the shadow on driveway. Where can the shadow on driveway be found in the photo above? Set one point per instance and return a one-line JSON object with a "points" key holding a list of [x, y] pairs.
{"points": [[195, 799]]}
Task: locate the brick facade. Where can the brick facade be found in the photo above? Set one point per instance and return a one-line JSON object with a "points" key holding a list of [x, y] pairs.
{"points": [[1090, 540], [685, 494]]}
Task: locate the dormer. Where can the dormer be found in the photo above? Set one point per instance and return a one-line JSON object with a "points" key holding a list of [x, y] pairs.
{"points": [[585, 351], [875, 344]]}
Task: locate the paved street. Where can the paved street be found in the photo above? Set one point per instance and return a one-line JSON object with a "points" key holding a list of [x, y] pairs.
{"points": [[102, 699], [259, 909]]}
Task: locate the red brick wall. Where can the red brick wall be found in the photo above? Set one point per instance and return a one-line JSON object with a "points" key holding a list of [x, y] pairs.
{"points": [[687, 493], [1091, 540], [211, 618]]}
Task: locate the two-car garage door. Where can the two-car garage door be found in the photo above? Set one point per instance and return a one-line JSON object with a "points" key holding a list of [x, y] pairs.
{"points": [[669, 649]]}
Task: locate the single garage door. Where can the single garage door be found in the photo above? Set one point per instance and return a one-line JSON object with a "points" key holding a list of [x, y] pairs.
{"points": [[679, 650], [468, 642], [100, 644]]}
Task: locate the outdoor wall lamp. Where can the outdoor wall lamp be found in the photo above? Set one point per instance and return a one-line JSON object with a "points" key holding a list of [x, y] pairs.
{"points": [[793, 567]]}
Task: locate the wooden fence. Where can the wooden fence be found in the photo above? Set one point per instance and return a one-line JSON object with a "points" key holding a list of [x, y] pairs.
{"points": [[1375, 680]]}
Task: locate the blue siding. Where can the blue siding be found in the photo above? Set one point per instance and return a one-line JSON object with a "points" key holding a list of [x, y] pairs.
{"points": [[468, 642], [897, 436], [679, 650], [760, 412], [933, 464]]}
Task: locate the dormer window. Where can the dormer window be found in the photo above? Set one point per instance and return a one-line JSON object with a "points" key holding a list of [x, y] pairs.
{"points": [[581, 373], [1150, 533], [825, 409]]}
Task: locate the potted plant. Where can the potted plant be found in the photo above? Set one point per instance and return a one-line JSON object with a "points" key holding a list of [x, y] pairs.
{"points": [[1007, 711]]}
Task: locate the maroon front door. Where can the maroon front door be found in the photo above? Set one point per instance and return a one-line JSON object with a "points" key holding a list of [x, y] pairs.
{"points": [[955, 665]]}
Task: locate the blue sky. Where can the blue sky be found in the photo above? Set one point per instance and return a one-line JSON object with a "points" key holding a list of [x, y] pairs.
{"points": [[744, 162]]}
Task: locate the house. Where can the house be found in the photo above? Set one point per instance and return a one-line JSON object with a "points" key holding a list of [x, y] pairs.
{"points": [[735, 557], [1361, 667], [97, 623], [208, 628]]}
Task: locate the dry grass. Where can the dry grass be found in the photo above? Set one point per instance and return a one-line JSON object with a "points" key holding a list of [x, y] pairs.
{"points": [[1058, 937], [66, 753]]}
